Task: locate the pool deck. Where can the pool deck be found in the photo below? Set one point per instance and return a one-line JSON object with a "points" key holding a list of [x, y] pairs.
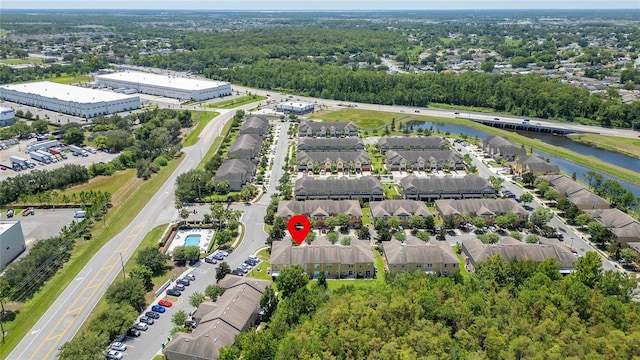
{"points": [[206, 236]]}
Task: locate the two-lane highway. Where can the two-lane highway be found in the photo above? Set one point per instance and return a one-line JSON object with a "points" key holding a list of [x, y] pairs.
{"points": [[65, 316]]}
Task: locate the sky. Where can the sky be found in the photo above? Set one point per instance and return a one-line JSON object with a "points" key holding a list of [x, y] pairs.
{"points": [[319, 5]]}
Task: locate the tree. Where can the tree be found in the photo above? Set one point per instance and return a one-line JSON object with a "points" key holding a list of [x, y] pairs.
{"points": [[532, 239], [423, 235], [496, 182], [268, 302], [598, 232], [87, 345], [629, 255], [153, 259], [127, 291], [526, 198], [179, 317], [540, 216], [322, 279], [331, 222], [490, 238], [74, 136], [186, 253], [291, 279], [551, 194], [143, 273], [213, 292], [342, 220], [363, 233], [507, 220], [332, 237], [583, 219], [394, 222], [528, 178], [588, 269], [114, 321], [196, 299], [487, 66], [40, 126], [222, 271], [416, 222], [478, 222]]}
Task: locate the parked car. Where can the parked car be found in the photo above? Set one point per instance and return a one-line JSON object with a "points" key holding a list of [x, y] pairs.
{"points": [[158, 309], [118, 346], [141, 326], [218, 256], [183, 281], [152, 314], [237, 272], [190, 277], [173, 292], [191, 324], [133, 332], [211, 260], [146, 320], [179, 287], [165, 303], [113, 355]]}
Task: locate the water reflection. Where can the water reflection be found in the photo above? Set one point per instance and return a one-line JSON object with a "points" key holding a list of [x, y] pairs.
{"points": [[566, 166]]}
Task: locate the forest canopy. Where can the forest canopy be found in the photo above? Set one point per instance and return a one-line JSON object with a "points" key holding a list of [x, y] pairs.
{"points": [[507, 310]]}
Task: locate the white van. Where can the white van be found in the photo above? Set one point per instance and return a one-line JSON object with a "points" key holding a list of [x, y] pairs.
{"points": [[80, 214]]}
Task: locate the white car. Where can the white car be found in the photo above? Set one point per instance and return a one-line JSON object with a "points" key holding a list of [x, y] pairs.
{"points": [[118, 346], [141, 326], [113, 355]]}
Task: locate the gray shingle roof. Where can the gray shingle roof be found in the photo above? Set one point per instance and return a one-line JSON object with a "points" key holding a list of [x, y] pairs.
{"points": [[577, 193], [536, 164], [342, 185], [436, 184], [479, 251], [321, 251], [362, 156], [618, 222], [235, 170], [245, 146], [398, 208], [219, 322], [413, 142], [414, 156], [330, 144], [254, 125], [416, 251], [497, 144], [319, 207], [320, 125], [476, 206]]}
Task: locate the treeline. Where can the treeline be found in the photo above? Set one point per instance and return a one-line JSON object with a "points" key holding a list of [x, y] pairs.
{"points": [[24, 277], [81, 64], [523, 95], [507, 310], [39, 181]]}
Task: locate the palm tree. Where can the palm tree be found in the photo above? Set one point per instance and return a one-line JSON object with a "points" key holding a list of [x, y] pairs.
{"points": [[196, 178]]}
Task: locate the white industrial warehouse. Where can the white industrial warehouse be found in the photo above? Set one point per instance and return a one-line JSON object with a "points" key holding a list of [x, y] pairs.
{"points": [[11, 242], [166, 86], [7, 117], [67, 99]]}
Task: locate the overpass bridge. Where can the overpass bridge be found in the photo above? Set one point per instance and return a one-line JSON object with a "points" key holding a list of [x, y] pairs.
{"points": [[525, 125]]}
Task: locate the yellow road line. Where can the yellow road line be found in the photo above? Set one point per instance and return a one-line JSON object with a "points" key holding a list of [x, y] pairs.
{"points": [[135, 232]]}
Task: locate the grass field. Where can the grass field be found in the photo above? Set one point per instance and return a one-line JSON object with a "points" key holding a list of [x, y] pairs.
{"points": [[119, 185], [201, 118], [70, 79], [626, 146], [135, 197], [34, 61], [462, 108], [234, 103], [366, 216], [215, 145], [364, 119]]}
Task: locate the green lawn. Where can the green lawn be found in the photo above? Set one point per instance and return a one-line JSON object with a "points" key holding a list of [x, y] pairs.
{"points": [[463, 269], [621, 145], [462, 108], [201, 118], [70, 79], [34, 61], [234, 103], [216, 144], [364, 119], [116, 221], [334, 284], [391, 191], [366, 216], [379, 266]]}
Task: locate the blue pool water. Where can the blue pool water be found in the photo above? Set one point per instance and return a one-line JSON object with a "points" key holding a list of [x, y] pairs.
{"points": [[192, 240]]}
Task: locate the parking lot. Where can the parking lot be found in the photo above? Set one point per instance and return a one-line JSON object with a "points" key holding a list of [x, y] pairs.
{"points": [[43, 224], [19, 150]]}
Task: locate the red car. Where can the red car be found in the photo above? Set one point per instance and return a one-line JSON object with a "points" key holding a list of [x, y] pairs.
{"points": [[165, 303]]}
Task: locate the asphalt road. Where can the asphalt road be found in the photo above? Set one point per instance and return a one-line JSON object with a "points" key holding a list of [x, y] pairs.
{"points": [[65, 316], [150, 342]]}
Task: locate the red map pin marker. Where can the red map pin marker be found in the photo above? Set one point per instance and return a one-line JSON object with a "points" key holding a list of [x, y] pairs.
{"points": [[299, 226]]}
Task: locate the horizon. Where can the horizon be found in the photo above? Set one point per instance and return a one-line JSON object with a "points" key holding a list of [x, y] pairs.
{"points": [[328, 5]]}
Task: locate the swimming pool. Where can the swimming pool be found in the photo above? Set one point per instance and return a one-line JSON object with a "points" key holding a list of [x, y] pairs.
{"points": [[192, 240]]}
